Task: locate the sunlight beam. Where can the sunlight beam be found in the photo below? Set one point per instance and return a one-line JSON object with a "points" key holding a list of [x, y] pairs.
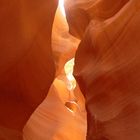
{"points": [[69, 74], [62, 9]]}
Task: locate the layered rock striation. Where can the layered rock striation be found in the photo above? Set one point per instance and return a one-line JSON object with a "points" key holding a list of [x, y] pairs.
{"points": [[107, 65]]}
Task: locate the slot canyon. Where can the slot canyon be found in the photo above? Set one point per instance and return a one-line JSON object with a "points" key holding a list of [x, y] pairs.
{"points": [[69, 70]]}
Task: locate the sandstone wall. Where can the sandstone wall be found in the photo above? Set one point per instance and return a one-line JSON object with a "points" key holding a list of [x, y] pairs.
{"points": [[26, 63], [107, 65]]}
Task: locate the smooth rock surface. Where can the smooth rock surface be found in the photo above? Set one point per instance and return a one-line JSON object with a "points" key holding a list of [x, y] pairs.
{"points": [[26, 62], [107, 66], [53, 121], [64, 45], [79, 13]]}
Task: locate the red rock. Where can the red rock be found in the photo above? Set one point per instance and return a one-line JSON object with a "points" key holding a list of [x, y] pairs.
{"points": [[79, 13], [107, 67], [53, 121], [26, 64], [64, 45]]}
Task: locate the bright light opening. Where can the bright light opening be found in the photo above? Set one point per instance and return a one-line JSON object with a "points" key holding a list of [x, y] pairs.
{"points": [[71, 104], [69, 73], [62, 9]]}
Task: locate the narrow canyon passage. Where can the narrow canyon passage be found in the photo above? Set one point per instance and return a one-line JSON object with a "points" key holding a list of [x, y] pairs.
{"points": [[62, 115], [69, 74]]}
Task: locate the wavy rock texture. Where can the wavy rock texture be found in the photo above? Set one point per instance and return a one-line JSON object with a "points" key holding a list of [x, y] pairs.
{"points": [[26, 63], [64, 45], [107, 65], [53, 121], [107, 68], [81, 12]]}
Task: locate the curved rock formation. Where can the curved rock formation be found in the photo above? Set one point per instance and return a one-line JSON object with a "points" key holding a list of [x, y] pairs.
{"points": [[107, 69], [53, 121], [57, 118], [26, 63], [79, 13], [64, 45], [107, 65]]}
